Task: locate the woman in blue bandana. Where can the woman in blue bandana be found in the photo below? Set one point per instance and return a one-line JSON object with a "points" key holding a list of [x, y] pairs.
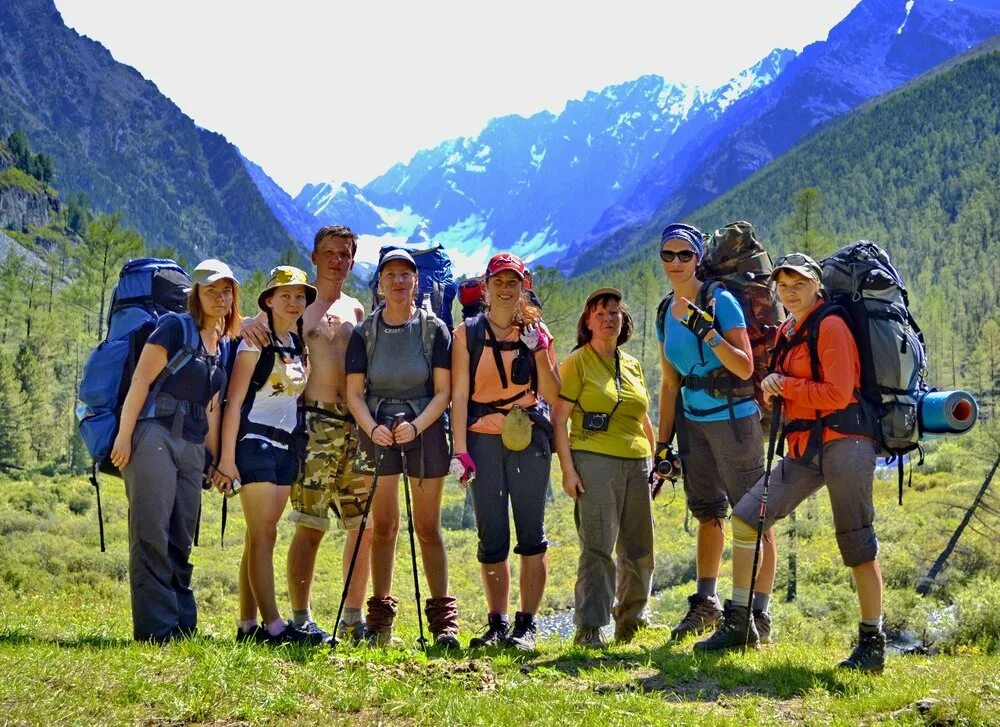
{"points": [[707, 362]]}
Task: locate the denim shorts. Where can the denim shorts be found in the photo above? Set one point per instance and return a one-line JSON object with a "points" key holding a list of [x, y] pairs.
{"points": [[258, 460]]}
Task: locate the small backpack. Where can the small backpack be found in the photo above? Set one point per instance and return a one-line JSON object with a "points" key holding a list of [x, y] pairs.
{"points": [[437, 283], [736, 261]]}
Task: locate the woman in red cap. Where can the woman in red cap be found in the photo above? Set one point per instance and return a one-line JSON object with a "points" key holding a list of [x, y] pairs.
{"points": [[503, 370]]}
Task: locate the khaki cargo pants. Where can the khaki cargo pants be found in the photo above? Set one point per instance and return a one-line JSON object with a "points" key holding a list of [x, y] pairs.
{"points": [[330, 481]]}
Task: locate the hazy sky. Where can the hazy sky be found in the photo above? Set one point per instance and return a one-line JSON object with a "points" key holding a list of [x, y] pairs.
{"points": [[316, 91]]}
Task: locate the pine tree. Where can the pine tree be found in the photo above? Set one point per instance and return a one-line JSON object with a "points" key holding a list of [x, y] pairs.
{"points": [[109, 245], [15, 440], [39, 385]]}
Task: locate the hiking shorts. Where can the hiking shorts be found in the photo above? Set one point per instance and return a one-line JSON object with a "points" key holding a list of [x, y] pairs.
{"points": [[330, 481], [719, 468], [258, 460], [518, 478], [433, 442], [848, 472]]}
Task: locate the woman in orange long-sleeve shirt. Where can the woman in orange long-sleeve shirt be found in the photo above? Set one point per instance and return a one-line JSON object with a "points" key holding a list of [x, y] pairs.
{"points": [[830, 441]]}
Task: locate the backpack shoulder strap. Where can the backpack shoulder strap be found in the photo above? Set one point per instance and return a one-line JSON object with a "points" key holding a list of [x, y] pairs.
{"points": [[192, 342], [369, 332], [474, 335], [661, 314], [428, 332]]}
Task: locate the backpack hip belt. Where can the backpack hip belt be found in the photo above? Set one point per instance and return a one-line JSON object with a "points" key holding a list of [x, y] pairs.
{"points": [[853, 419], [720, 384], [166, 404]]}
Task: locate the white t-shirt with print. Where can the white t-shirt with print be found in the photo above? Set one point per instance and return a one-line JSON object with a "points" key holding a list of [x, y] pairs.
{"points": [[276, 403]]}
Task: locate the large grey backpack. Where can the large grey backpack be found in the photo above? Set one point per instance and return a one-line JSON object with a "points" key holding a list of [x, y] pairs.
{"points": [[868, 292]]}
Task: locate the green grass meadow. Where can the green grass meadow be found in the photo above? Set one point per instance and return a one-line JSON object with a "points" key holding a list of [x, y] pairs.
{"points": [[66, 656]]}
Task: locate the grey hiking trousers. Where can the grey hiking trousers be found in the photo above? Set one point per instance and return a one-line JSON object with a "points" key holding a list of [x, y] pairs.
{"points": [[613, 515], [163, 485]]}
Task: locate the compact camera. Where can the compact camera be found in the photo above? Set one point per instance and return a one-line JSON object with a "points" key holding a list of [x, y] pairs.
{"points": [[665, 468], [596, 422]]}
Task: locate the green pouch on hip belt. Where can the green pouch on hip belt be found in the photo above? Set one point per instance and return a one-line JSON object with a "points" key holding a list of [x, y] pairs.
{"points": [[516, 431]]}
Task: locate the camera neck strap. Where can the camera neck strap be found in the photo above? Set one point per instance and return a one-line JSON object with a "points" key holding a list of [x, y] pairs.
{"points": [[617, 374]]}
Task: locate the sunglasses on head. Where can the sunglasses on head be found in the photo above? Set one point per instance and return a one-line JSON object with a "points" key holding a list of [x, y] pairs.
{"points": [[793, 259], [685, 256]]}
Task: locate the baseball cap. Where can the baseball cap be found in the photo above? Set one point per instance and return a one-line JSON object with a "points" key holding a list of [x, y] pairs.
{"points": [[600, 292], [801, 264], [209, 271], [397, 254], [505, 261]]}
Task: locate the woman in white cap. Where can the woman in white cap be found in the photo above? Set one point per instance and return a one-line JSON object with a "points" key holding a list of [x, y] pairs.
{"points": [[605, 469], [398, 363], [260, 455], [168, 434], [503, 369]]}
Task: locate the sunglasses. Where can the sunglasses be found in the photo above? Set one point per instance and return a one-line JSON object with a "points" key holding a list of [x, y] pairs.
{"points": [[685, 256]]}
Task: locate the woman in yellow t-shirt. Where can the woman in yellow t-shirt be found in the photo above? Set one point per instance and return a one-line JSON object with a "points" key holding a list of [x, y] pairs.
{"points": [[605, 459]]}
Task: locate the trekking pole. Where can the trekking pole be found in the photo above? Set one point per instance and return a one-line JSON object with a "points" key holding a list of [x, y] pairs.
{"points": [[225, 516], [413, 546], [100, 512], [357, 543], [775, 422]]}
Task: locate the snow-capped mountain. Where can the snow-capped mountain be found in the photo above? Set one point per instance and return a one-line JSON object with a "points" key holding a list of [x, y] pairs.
{"points": [[878, 47], [565, 188], [533, 185]]}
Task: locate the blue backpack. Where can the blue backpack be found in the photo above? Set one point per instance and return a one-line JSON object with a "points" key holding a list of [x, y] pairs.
{"points": [[147, 290], [437, 283]]}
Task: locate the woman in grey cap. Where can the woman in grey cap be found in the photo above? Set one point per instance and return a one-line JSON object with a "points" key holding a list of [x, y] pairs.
{"points": [[605, 464], [260, 456], [817, 374], [168, 434], [399, 363]]}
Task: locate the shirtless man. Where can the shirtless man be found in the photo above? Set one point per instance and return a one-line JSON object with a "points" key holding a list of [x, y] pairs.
{"points": [[329, 482]]}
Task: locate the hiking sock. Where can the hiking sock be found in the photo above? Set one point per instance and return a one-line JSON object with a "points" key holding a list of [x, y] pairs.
{"points": [[707, 586], [248, 626], [352, 616], [761, 601], [301, 618], [741, 597], [874, 623], [276, 627]]}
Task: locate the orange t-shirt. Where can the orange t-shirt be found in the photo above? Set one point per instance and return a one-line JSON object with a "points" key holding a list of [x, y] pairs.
{"points": [[839, 377], [487, 386]]}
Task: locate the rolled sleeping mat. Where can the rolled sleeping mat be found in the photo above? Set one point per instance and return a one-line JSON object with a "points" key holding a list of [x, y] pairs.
{"points": [[947, 412]]}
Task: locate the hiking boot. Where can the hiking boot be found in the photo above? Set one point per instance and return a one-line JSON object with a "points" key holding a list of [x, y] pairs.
{"points": [[495, 633], [442, 621], [762, 620], [732, 632], [355, 632], [522, 636], [703, 615], [624, 633], [869, 654], [381, 614], [589, 637]]}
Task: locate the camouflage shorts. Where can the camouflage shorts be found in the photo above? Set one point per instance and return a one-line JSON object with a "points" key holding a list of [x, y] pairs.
{"points": [[330, 481]]}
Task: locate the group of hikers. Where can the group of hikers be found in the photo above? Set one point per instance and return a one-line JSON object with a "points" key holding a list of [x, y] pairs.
{"points": [[328, 407]]}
